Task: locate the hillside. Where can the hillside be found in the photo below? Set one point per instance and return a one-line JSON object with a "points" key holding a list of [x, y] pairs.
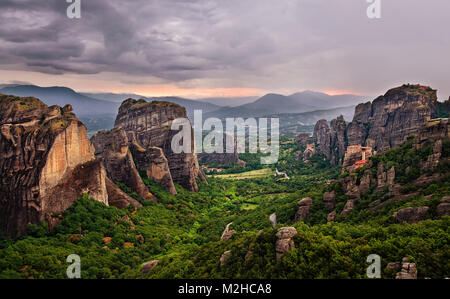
{"points": [[272, 104]]}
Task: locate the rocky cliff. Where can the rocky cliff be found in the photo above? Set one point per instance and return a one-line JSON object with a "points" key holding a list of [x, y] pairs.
{"points": [[112, 149], [382, 124], [46, 162], [390, 119], [331, 140], [148, 128]]}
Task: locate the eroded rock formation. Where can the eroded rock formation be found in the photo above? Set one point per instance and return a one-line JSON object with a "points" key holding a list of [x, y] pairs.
{"points": [[409, 270], [304, 206], [284, 243], [46, 163], [111, 148], [148, 128], [227, 233], [443, 209], [412, 214], [322, 137], [329, 200], [383, 124], [390, 119]]}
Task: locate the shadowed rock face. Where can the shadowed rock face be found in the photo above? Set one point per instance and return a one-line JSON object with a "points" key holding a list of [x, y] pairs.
{"points": [[338, 139], [331, 139], [153, 161], [46, 163], [111, 148], [322, 137], [385, 123], [390, 119], [148, 125]]}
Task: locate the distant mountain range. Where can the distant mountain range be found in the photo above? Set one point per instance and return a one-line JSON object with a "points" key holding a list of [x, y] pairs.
{"points": [[306, 101], [98, 110]]}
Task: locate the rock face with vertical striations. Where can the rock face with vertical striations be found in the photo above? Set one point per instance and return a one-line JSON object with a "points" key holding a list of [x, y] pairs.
{"points": [[338, 140], [46, 163], [383, 124], [153, 161], [331, 140], [322, 137], [111, 148], [148, 125], [390, 119]]}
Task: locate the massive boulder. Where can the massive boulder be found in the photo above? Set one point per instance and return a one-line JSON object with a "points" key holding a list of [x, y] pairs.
{"points": [[338, 140], [385, 123], [154, 163], [309, 152], [46, 163], [443, 209], [148, 125], [392, 118], [408, 271], [331, 140], [329, 200], [412, 214], [111, 148], [227, 233], [357, 130], [322, 137], [284, 241], [119, 199], [304, 206]]}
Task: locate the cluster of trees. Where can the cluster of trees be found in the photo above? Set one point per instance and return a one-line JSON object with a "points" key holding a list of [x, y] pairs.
{"points": [[183, 231]]}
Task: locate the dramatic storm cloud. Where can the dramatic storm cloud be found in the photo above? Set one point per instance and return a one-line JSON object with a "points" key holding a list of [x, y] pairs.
{"points": [[242, 45]]}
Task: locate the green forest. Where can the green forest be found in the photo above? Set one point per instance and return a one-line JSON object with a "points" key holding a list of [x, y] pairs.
{"points": [[183, 231]]}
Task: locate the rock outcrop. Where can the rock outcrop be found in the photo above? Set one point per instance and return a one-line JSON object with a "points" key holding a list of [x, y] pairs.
{"points": [[111, 148], [284, 243], [304, 206], [273, 219], [329, 200], [322, 137], [443, 209], [303, 138], [390, 119], [331, 216], [309, 152], [356, 156], [227, 233], [383, 124], [148, 266], [338, 136], [119, 199], [148, 125], [409, 270], [46, 163], [411, 215], [224, 257]]}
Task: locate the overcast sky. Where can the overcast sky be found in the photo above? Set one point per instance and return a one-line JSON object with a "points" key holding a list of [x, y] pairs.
{"points": [[226, 47]]}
